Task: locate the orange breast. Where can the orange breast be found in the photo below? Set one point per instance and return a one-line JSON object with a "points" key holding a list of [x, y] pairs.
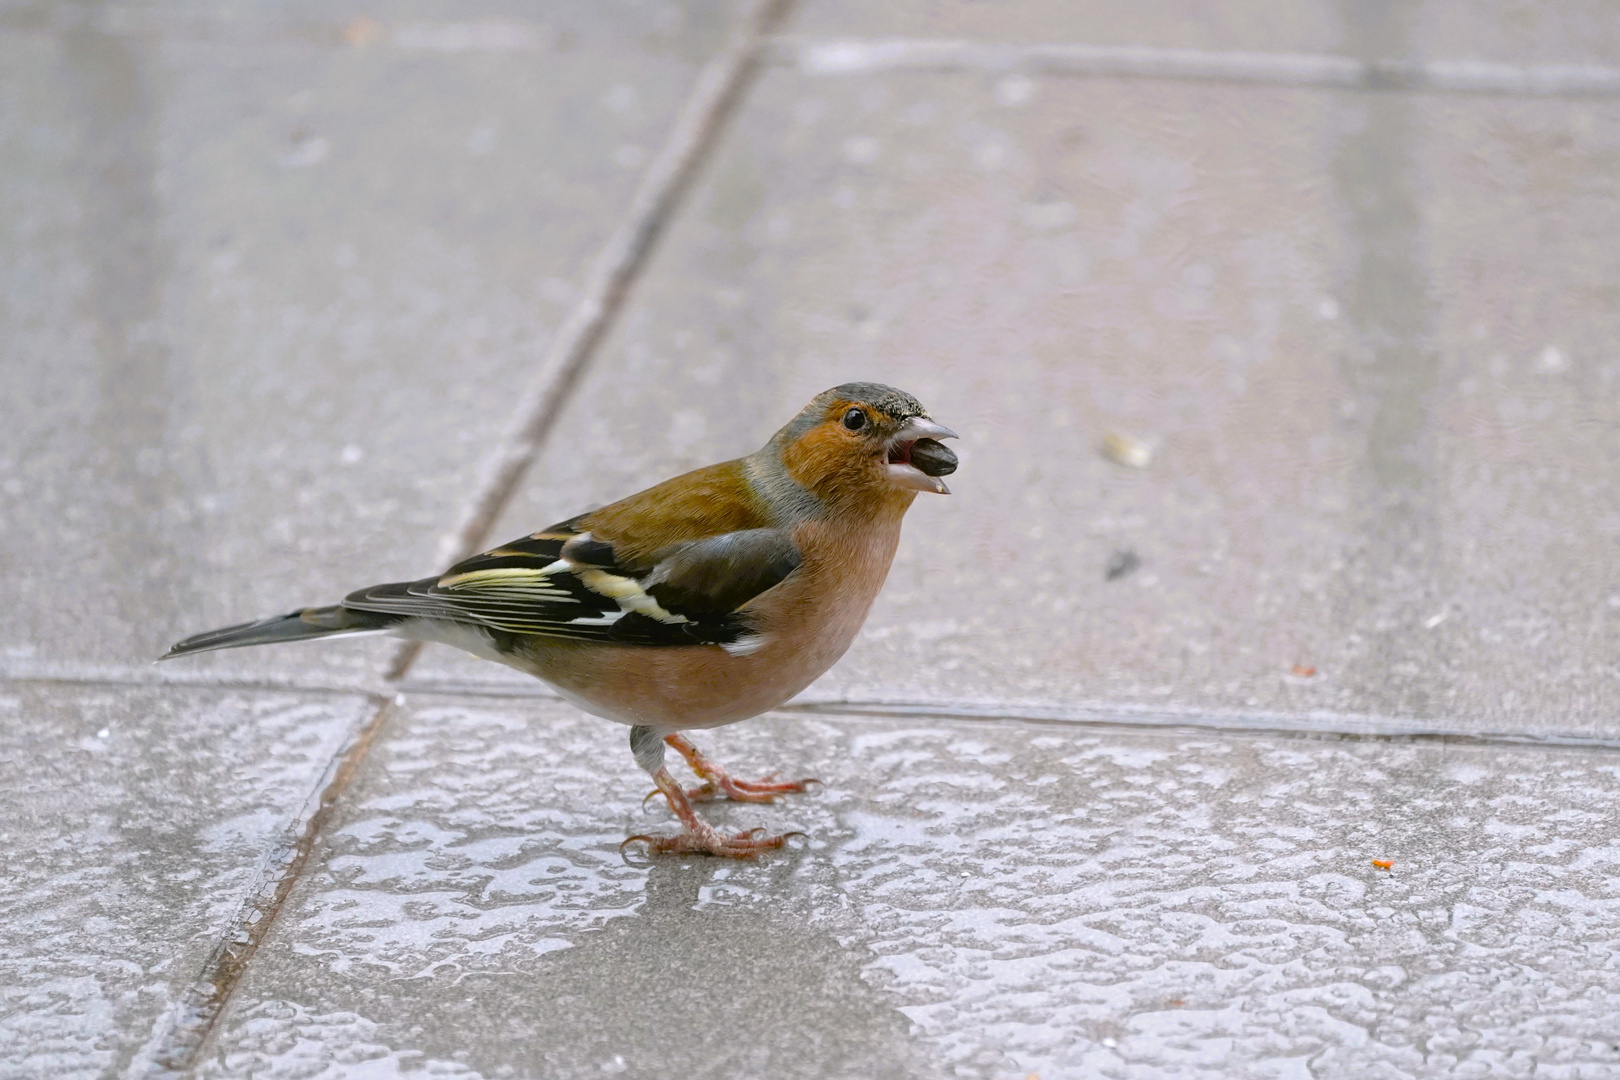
{"points": [[808, 622]]}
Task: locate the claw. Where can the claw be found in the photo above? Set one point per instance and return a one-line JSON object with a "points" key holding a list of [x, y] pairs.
{"points": [[707, 841], [651, 795]]}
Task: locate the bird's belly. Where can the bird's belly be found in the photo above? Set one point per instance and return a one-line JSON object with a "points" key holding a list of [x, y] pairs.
{"points": [[807, 623], [684, 687]]}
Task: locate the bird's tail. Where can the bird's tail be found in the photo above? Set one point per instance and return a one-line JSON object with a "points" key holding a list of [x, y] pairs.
{"points": [[298, 626]]}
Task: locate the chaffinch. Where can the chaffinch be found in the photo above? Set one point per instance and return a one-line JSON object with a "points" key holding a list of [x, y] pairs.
{"points": [[703, 601]]}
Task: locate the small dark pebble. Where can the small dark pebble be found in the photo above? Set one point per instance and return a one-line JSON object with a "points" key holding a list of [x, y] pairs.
{"points": [[933, 457], [1121, 563]]}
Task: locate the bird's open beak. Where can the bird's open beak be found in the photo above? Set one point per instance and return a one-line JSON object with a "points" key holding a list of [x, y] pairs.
{"points": [[920, 468]]}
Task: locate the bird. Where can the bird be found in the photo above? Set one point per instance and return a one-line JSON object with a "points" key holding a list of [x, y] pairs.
{"points": [[702, 601]]}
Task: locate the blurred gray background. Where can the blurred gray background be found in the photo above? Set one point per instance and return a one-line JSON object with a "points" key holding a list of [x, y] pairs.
{"points": [[1282, 339]]}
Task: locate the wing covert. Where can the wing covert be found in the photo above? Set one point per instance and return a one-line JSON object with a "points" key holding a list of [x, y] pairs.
{"points": [[564, 583]]}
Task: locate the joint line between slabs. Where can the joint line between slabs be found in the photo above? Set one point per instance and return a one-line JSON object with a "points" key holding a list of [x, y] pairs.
{"points": [[1123, 716], [1133, 719], [178, 1042], [856, 56], [180, 1034], [149, 677]]}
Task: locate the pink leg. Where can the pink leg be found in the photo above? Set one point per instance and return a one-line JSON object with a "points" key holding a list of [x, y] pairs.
{"points": [[718, 784], [698, 835]]}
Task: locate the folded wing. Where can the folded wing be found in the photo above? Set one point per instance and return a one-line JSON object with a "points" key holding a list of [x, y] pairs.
{"points": [[566, 583]]}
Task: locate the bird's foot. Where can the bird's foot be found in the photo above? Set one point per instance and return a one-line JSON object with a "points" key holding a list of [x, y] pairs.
{"points": [[719, 784], [722, 786], [697, 835], [707, 840]]}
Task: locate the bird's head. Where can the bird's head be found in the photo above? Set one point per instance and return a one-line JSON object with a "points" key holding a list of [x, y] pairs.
{"points": [[864, 440]]}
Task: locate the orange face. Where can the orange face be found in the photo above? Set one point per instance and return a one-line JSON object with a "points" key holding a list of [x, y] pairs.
{"points": [[836, 452], [858, 446]]}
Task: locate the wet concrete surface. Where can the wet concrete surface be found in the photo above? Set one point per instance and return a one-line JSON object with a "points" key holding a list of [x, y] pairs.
{"points": [[974, 899], [1381, 484], [131, 824], [272, 280], [268, 301]]}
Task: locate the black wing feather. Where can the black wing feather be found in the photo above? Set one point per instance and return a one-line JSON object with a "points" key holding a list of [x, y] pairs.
{"points": [[690, 595]]}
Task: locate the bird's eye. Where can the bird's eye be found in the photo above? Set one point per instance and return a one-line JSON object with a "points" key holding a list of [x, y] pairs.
{"points": [[855, 419]]}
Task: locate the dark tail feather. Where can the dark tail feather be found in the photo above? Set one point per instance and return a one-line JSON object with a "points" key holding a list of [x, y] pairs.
{"points": [[298, 626]]}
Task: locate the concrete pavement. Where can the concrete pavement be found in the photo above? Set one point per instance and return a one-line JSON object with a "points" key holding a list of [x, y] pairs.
{"points": [[273, 282]]}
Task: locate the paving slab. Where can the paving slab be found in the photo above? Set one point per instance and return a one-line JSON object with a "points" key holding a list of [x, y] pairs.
{"points": [[132, 823], [265, 300], [1366, 336], [1505, 31], [1498, 31], [974, 899]]}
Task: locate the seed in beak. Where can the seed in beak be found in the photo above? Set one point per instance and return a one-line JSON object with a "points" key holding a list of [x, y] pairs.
{"points": [[932, 457]]}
